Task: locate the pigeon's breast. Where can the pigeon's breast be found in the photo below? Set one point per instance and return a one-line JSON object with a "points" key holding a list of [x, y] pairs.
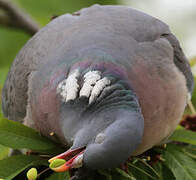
{"points": [[44, 103], [162, 94]]}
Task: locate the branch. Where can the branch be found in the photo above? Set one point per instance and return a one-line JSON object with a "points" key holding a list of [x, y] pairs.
{"points": [[15, 18]]}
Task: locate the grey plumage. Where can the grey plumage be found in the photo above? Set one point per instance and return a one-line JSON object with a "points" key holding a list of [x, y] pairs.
{"points": [[149, 74], [58, 37]]}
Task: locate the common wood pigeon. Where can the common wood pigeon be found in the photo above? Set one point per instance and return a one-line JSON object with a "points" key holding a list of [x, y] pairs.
{"points": [[109, 81]]}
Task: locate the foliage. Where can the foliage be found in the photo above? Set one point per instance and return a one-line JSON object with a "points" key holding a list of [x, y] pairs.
{"points": [[183, 135], [17, 136], [14, 165], [178, 160], [58, 176], [3, 152], [182, 166]]}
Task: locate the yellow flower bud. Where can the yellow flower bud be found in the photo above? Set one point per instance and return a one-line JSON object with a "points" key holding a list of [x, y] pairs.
{"points": [[32, 174]]}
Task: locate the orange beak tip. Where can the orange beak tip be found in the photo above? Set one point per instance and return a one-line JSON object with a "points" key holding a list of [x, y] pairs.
{"points": [[51, 159]]}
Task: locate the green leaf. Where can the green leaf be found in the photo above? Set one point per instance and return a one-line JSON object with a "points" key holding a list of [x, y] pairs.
{"points": [[17, 136], [182, 166], [183, 135], [124, 174], [164, 172], [167, 173], [115, 174], [106, 174], [140, 171], [3, 152], [151, 169], [190, 151], [12, 166], [59, 176]]}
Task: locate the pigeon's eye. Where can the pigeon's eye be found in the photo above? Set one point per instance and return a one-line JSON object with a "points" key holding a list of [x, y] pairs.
{"points": [[100, 138]]}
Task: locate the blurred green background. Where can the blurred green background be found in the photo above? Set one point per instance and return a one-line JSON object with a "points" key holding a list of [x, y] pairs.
{"points": [[179, 14]]}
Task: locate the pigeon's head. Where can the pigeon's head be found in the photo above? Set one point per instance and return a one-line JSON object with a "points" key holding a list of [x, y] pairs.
{"points": [[107, 147], [104, 124], [114, 145]]}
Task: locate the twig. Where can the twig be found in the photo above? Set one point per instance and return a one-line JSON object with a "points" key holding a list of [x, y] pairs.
{"points": [[149, 166], [42, 172], [15, 18], [141, 170], [191, 107]]}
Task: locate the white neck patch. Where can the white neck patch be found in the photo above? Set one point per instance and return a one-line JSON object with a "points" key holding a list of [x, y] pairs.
{"points": [[68, 88], [93, 85], [90, 79]]}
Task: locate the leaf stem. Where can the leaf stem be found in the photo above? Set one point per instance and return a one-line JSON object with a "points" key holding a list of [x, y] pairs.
{"points": [[145, 163], [42, 172], [191, 107], [141, 170]]}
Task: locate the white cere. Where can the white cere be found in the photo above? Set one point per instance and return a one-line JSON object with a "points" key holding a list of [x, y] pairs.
{"points": [[100, 138], [93, 85], [90, 79], [99, 86]]}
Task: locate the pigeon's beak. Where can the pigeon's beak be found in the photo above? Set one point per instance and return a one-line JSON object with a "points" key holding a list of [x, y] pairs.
{"points": [[74, 158]]}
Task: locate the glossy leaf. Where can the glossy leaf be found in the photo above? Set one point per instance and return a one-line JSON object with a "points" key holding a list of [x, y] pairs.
{"points": [[12, 166], [190, 151], [183, 135], [59, 176], [164, 172], [124, 175], [182, 166], [3, 152], [16, 135], [140, 171]]}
